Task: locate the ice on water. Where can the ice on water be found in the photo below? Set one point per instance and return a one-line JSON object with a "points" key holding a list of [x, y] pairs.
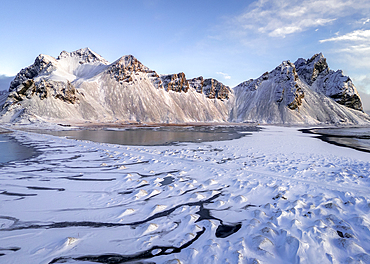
{"points": [[278, 196]]}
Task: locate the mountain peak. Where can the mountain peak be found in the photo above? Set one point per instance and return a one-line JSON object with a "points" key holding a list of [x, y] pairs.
{"points": [[309, 70], [85, 55], [316, 57], [128, 60], [81, 85]]}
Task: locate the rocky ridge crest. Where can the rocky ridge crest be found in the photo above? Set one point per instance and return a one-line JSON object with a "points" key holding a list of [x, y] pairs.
{"points": [[284, 77], [317, 74], [85, 55], [127, 89]]}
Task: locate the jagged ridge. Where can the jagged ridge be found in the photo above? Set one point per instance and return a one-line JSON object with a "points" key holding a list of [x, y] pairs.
{"points": [[96, 90], [82, 85], [298, 93]]}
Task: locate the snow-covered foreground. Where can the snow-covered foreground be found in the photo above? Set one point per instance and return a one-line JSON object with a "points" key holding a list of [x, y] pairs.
{"points": [[278, 196]]}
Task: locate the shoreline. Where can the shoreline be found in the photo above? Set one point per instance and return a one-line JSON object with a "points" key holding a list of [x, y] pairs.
{"points": [[338, 139], [77, 199]]}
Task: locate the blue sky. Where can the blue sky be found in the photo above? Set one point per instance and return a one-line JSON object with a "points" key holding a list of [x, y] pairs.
{"points": [[231, 41]]}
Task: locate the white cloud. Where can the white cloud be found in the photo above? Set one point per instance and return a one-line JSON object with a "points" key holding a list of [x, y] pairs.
{"points": [[363, 21], [277, 18], [225, 75], [357, 35], [354, 47]]}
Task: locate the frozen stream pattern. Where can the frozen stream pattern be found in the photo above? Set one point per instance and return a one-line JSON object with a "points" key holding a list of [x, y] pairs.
{"points": [[272, 197]]}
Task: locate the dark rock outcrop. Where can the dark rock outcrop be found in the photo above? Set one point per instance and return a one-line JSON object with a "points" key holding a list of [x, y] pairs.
{"points": [[85, 55], [286, 88], [127, 68], [175, 82], [212, 88], [64, 91], [197, 84], [317, 74], [340, 88], [215, 89], [309, 70], [42, 63]]}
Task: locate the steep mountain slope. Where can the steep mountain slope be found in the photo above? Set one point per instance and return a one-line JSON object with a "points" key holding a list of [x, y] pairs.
{"points": [[306, 92], [82, 86]]}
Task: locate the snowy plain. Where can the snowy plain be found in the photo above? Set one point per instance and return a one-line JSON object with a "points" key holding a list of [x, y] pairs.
{"points": [[277, 196]]}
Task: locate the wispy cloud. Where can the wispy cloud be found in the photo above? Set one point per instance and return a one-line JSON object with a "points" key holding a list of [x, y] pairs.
{"points": [[225, 75], [357, 35], [354, 52], [355, 44], [277, 18]]}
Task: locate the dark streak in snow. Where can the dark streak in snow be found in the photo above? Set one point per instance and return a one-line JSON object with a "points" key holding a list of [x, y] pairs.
{"points": [[116, 258]]}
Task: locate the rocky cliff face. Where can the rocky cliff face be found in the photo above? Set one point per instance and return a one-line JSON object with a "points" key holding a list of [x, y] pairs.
{"points": [[317, 74], [81, 85], [215, 89], [340, 88], [83, 56], [42, 63], [298, 93], [127, 68], [26, 84], [211, 88], [310, 69], [286, 90], [175, 82]]}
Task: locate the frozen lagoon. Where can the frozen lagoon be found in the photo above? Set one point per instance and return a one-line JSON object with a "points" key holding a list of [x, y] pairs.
{"points": [[278, 196], [156, 135]]}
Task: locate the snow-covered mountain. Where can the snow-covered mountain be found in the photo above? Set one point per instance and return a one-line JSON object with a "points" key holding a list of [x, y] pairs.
{"points": [[306, 92], [82, 86]]}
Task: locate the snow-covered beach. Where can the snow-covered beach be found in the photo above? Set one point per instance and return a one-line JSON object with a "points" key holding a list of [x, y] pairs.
{"points": [[277, 196]]}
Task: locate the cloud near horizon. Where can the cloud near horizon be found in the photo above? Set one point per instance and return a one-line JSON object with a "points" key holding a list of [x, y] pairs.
{"points": [[225, 75], [281, 18], [357, 35], [355, 46]]}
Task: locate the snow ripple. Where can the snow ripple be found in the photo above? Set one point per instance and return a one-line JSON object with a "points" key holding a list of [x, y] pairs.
{"points": [[288, 198]]}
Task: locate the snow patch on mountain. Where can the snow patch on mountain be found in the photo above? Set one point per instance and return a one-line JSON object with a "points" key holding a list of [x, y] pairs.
{"points": [[81, 86], [306, 92], [316, 73]]}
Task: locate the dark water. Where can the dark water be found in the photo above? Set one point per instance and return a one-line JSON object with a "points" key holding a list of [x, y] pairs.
{"points": [[356, 138], [158, 135], [11, 150]]}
